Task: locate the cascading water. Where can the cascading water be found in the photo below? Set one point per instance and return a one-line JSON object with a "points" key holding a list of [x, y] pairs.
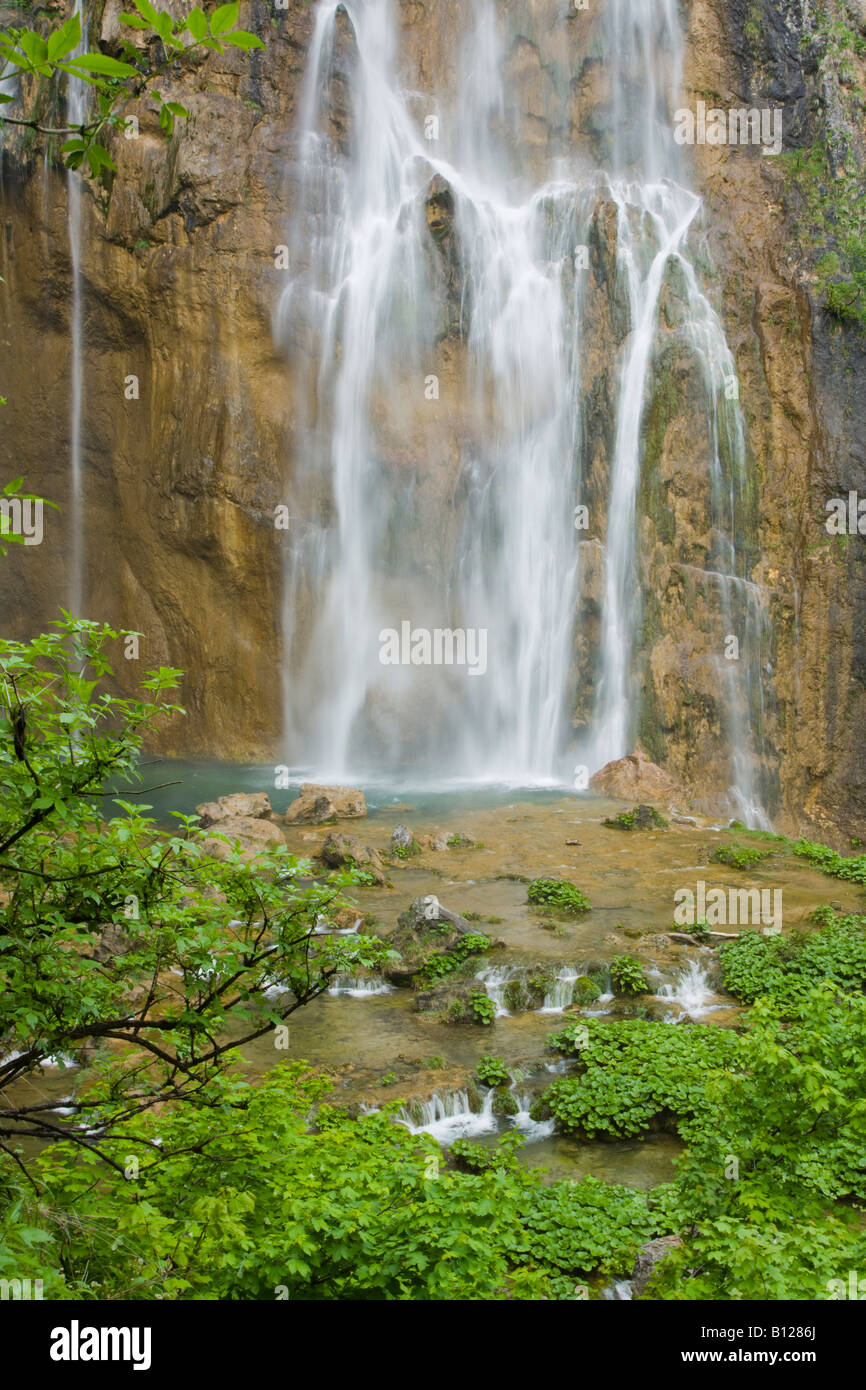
{"points": [[435, 317], [449, 1117], [690, 993], [561, 992]]}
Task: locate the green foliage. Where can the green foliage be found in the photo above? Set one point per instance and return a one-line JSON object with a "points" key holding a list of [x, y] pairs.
{"points": [[627, 977], [492, 1071], [12, 495], [112, 932], [56, 57], [831, 224], [259, 1206], [405, 851], [639, 818], [739, 856], [786, 968], [852, 869], [558, 896], [482, 1007], [446, 962], [633, 1075], [790, 1117]]}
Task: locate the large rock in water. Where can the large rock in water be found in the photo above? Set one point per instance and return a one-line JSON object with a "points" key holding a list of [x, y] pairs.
{"points": [[635, 778], [251, 805], [316, 805], [255, 836], [347, 851]]}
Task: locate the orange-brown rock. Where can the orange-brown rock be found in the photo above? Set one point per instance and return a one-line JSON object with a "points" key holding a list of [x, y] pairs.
{"points": [[635, 778]]}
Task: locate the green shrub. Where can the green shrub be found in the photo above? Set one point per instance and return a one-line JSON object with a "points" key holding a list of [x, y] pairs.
{"points": [[786, 968], [492, 1071], [446, 962], [557, 895], [634, 1074], [639, 818], [739, 856], [627, 977]]}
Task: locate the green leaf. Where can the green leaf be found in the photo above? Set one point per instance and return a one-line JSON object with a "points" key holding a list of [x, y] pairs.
{"points": [[196, 23], [242, 39], [225, 17], [148, 12], [102, 64], [134, 21], [64, 39]]}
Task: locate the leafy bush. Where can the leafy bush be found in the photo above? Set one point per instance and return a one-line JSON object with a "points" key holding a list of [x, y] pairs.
{"points": [[852, 869], [627, 977], [634, 1074], [739, 856], [446, 962], [558, 896], [639, 818], [483, 1008], [492, 1071], [789, 1117], [786, 968]]}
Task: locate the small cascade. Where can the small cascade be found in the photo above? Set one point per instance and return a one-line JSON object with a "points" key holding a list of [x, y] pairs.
{"points": [[620, 1291], [561, 992], [357, 987], [690, 992], [449, 1117], [532, 1130], [494, 978]]}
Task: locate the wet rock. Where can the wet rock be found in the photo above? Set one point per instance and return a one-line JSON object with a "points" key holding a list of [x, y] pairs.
{"points": [[649, 1256], [439, 208], [635, 777], [427, 914], [255, 837], [401, 837], [315, 805], [347, 852], [250, 805], [436, 842]]}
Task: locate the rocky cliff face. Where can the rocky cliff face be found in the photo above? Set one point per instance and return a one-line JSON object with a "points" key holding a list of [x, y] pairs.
{"points": [[180, 280]]}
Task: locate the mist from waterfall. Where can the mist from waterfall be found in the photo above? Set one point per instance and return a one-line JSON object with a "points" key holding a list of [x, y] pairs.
{"points": [[371, 307]]}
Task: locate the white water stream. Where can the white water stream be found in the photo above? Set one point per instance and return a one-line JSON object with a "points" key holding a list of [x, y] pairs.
{"points": [[455, 510]]}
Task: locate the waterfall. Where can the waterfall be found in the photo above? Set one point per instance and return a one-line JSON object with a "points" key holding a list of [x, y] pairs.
{"points": [[359, 987], [434, 316], [561, 992], [450, 1117], [690, 992], [494, 978], [77, 104]]}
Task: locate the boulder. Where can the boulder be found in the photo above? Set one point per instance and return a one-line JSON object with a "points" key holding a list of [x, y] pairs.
{"points": [[250, 805], [401, 837], [635, 778], [436, 842], [648, 1257], [255, 836], [316, 805], [427, 913], [347, 852]]}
